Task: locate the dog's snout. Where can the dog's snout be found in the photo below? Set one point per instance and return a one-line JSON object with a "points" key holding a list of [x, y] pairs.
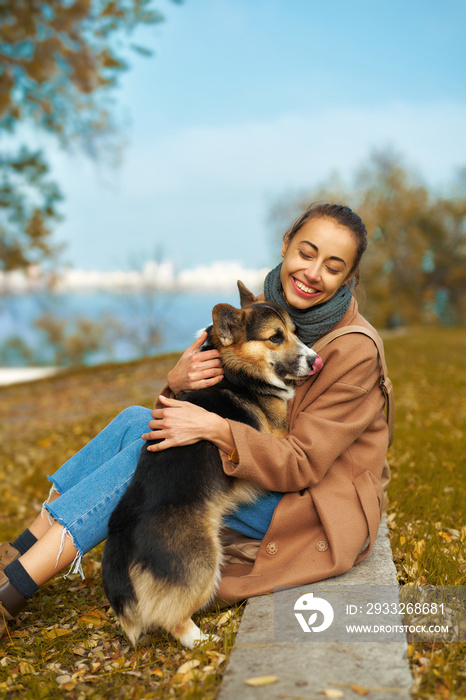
{"points": [[315, 364]]}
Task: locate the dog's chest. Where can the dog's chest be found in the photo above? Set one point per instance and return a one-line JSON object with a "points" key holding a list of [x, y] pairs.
{"points": [[273, 416]]}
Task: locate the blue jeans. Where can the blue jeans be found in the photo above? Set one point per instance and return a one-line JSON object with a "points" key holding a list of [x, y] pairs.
{"points": [[92, 482]]}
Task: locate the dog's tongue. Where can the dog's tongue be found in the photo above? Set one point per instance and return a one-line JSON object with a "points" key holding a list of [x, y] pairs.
{"points": [[316, 367]]}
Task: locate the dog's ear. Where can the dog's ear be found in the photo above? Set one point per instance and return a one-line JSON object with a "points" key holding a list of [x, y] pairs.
{"points": [[246, 297], [227, 323]]}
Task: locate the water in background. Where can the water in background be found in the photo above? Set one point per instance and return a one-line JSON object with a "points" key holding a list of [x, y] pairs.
{"points": [[178, 316]]}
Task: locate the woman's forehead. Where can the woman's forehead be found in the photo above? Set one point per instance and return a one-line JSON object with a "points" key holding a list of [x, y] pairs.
{"points": [[327, 237]]}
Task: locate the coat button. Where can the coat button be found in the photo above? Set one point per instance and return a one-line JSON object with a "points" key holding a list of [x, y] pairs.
{"points": [[322, 546], [271, 548]]}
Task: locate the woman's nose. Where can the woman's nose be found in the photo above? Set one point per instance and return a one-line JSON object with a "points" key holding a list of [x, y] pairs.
{"points": [[312, 272]]}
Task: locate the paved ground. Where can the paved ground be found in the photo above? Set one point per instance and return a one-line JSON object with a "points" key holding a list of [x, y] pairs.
{"points": [[314, 669]]}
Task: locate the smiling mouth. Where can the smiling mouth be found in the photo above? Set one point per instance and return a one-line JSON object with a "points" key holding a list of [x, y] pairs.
{"points": [[303, 288]]}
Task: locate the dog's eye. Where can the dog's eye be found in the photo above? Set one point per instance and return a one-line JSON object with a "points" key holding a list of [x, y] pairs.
{"points": [[276, 338]]}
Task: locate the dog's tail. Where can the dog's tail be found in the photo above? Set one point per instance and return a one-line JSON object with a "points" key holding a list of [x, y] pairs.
{"points": [[116, 580]]}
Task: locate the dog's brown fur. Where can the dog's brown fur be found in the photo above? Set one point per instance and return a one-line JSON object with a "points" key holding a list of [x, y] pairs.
{"points": [[163, 555]]}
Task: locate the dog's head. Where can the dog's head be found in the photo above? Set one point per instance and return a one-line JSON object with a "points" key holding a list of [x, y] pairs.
{"points": [[258, 346]]}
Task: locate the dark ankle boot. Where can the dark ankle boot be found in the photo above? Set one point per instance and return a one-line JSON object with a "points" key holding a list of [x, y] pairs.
{"points": [[11, 602], [7, 554]]}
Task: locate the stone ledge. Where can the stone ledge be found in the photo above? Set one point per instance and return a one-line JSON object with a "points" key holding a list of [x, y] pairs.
{"points": [[305, 670]]}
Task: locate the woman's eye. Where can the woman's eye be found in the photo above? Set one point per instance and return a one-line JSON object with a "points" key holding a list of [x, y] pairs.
{"points": [[305, 256], [333, 271]]}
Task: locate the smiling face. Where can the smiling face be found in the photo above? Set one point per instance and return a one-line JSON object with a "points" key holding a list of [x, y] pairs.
{"points": [[316, 262]]}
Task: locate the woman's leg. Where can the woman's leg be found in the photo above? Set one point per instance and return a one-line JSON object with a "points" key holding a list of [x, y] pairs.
{"points": [[124, 429], [41, 561], [80, 517], [41, 524]]}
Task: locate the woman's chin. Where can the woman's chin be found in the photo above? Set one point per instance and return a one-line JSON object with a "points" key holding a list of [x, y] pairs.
{"points": [[302, 302]]}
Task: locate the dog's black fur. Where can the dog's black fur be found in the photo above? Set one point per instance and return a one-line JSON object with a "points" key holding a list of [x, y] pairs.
{"points": [[162, 558]]}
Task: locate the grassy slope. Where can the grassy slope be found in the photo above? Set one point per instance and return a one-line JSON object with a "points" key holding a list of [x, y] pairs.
{"points": [[427, 516], [45, 422]]}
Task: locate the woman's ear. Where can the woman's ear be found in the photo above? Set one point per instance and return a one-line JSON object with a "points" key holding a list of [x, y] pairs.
{"points": [[286, 242], [348, 280]]}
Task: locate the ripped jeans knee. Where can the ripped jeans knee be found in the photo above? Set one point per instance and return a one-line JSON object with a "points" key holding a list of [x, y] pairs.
{"points": [[76, 564]]}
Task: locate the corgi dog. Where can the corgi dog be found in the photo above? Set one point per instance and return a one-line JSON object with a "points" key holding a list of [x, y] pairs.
{"points": [[163, 554]]}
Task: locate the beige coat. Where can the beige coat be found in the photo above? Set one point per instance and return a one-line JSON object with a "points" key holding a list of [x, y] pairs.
{"points": [[329, 467]]}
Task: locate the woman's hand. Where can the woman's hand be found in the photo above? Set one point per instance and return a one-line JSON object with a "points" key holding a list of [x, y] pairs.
{"points": [[194, 369], [182, 423]]}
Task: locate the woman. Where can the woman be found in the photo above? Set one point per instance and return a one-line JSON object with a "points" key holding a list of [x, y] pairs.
{"points": [[323, 478]]}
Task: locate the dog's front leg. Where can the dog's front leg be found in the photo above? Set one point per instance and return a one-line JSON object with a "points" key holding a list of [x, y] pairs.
{"points": [[190, 634]]}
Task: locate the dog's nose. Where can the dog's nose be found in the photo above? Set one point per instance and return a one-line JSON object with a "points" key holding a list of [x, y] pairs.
{"points": [[315, 364]]}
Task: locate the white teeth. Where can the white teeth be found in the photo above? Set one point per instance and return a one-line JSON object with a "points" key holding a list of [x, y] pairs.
{"points": [[308, 290]]}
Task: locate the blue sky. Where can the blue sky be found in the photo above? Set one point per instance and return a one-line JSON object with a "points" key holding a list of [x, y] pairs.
{"points": [[247, 100]]}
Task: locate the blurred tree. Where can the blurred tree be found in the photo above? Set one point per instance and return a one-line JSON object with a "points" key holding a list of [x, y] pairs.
{"points": [[14, 351], [414, 269], [27, 208], [393, 205], [72, 342], [59, 64], [445, 261]]}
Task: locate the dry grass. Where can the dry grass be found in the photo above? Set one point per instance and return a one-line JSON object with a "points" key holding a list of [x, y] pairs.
{"points": [[426, 514], [68, 644]]}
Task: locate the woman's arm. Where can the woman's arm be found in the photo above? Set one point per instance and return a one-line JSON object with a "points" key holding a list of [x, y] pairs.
{"points": [[182, 423], [323, 426]]}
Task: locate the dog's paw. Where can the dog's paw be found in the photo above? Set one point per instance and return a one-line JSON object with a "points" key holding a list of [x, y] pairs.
{"points": [[195, 637], [205, 638]]}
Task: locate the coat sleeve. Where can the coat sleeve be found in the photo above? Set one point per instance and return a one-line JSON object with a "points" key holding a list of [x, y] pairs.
{"points": [[339, 406]]}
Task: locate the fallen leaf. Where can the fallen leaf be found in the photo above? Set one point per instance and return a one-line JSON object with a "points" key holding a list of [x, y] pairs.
{"points": [[331, 693], [61, 680], [90, 643], [25, 668], [261, 680], [456, 534], [208, 669], [90, 619], [446, 536], [19, 634], [54, 633], [79, 651], [195, 673], [358, 689], [188, 666], [224, 618]]}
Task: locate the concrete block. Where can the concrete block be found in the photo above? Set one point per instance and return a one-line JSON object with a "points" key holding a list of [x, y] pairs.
{"points": [[304, 670]]}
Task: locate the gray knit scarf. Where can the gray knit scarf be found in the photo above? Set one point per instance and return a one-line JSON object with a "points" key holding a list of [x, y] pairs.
{"points": [[313, 323]]}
